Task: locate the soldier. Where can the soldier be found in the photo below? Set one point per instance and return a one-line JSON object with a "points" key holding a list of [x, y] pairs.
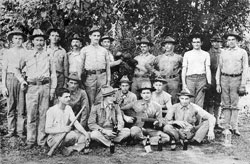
{"points": [[59, 55], [141, 73], [196, 72], [58, 119], [168, 66], [96, 65], [104, 116], [11, 85], [144, 109], [231, 77], [186, 119], [75, 58], [160, 96], [212, 97], [125, 97], [41, 81], [78, 98]]}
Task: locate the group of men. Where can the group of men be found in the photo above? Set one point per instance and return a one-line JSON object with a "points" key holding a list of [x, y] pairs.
{"points": [[53, 86]]}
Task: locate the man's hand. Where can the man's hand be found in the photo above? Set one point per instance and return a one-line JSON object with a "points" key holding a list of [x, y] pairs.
{"points": [[128, 119], [210, 135], [218, 88], [51, 96], [5, 92], [66, 129], [181, 124], [109, 133], [87, 135], [24, 85], [157, 124]]}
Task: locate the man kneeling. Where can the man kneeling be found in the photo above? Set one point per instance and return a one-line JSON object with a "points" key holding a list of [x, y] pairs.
{"points": [[58, 118], [189, 120]]}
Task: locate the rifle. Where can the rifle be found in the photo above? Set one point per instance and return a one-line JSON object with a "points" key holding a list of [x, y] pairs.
{"points": [[60, 140], [148, 119]]}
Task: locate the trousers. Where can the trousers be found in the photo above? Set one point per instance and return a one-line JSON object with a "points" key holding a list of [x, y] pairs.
{"points": [[173, 87]]}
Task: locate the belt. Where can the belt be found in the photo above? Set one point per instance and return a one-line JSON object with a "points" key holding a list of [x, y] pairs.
{"points": [[170, 77], [38, 82], [144, 76], [89, 72], [231, 75], [197, 75]]}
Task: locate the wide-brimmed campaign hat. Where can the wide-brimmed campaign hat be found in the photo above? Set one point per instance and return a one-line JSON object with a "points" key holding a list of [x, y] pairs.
{"points": [[169, 39], [106, 37], [159, 79], [75, 37], [16, 32], [125, 79], [56, 30], [185, 93], [216, 38], [145, 41], [107, 90], [233, 33], [38, 33], [94, 29], [146, 86], [74, 76]]}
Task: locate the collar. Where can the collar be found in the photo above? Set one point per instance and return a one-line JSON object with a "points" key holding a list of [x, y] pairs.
{"points": [[233, 49], [73, 53], [56, 48], [146, 54], [169, 53], [185, 108]]}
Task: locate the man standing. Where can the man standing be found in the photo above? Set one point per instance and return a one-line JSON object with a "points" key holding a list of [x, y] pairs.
{"points": [[58, 119], [104, 116], [144, 109], [75, 58], [196, 72], [189, 120], [41, 81], [59, 56], [96, 65], [168, 66], [78, 98], [141, 73], [231, 78], [11, 85], [212, 97]]}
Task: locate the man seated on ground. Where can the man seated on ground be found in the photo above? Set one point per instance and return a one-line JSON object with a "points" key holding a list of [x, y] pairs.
{"points": [[104, 116], [78, 98], [186, 119], [58, 119], [144, 109], [160, 96]]}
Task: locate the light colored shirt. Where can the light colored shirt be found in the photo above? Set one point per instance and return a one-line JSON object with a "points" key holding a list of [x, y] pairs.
{"points": [[60, 59], [164, 99], [12, 58], [168, 65], [95, 57], [192, 114], [57, 118], [125, 99], [39, 66], [142, 60], [75, 63], [196, 62], [111, 57], [78, 99]]}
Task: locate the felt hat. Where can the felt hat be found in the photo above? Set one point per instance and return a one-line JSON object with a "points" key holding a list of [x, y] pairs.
{"points": [[76, 37], [169, 39], [74, 76], [106, 37], [216, 38], [184, 93], [16, 32], [145, 41], [107, 91], [125, 79], [233, 33], [146, 86], [160, 79], [38, 33]]}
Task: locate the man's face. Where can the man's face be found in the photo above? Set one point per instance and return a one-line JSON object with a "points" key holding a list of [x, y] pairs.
{"points": [[196, 43], [54, 37], [95, 37], [17, 40], [216, 44], [109, 99], [38, 42], [76, 44], [168, 47], [146, 94], [106, 43], [124, 87], [73, 85], [231, 41], [144, 48], [65, 98], [184, 100], [158, 86]]}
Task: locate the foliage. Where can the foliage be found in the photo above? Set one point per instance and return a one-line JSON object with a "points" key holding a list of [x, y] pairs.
{"points": [[154, 19]]}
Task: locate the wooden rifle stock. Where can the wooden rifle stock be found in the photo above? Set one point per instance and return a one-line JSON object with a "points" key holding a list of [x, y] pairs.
{"points": [[53, 148]]}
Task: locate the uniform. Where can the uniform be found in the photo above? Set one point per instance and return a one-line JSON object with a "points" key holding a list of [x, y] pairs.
{"points": [[163, 98], [75, 63]]}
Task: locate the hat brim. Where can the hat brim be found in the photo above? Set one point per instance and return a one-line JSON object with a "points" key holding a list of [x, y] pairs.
{"points": [[111, 39], [215, 39], [235, 35], [76, 39], [186, 94], [173, 42], [158, 80], [17, 33], [141, 89], [108, 94], [70, 78], [125, 81], [148, 43], [40, 35]]}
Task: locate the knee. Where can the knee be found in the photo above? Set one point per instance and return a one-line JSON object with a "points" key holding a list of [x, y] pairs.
{"points": [[125, 132], [135, 130], [95, 134], [167, 128]]}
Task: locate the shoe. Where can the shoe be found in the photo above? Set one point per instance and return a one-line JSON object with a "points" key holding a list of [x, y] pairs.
{"points": [[66, 151], [21, 136], [9, 135], [236, 132], [218, 127], [29, 146]]}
